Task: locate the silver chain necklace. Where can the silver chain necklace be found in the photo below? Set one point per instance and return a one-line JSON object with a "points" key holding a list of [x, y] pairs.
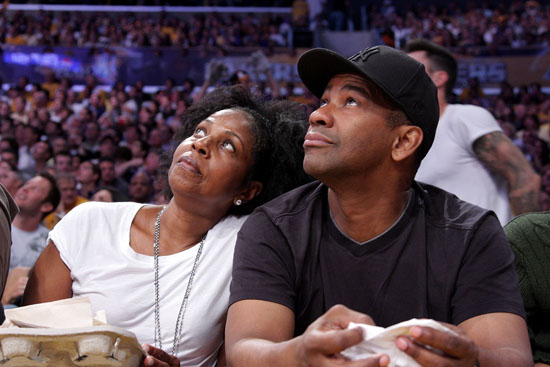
{"points": [[183, 307]]}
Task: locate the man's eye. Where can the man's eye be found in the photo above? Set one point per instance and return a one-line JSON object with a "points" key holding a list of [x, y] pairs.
{"points": [[323, 103], [351, 102], [229, 146]]}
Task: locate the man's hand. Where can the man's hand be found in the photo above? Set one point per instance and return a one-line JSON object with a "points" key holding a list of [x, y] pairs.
{"points": [[158, 358], [322, 342], [448, 349], [15, 284]]}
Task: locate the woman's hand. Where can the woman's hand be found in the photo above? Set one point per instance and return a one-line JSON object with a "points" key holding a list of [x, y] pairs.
{"points": [[158, 358]]}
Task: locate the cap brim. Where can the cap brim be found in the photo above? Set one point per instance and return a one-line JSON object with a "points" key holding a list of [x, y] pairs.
{"points": [[316, 67]]}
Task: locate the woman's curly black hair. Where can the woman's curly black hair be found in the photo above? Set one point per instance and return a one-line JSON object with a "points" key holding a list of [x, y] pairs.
{"points": [[278, 128]]}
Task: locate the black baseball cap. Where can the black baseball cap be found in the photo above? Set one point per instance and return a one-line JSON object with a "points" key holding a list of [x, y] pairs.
{"points": [[401, 77]]}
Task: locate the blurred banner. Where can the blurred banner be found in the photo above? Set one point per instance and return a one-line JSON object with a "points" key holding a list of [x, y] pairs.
{"points": [[154, 66], [109, 65]]}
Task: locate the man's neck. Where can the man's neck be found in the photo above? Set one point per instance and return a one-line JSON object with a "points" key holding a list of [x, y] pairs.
{"points": [[28, 223], [442, 99], [363, 215]]}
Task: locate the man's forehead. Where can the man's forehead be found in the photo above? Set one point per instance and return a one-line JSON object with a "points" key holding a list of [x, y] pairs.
{"points": [[354, 78], [349, 81]]}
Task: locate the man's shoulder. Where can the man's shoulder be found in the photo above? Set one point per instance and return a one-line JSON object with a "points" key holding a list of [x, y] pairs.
{"points": [[470, 114], [294, 202], [467, 108], [446, 210]]}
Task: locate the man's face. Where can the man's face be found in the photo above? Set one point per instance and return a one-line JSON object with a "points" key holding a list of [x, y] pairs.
{"points": [[139, 188], [86, 172], [31, 195], [421, 57], [59, 145], [63, 163], [40, 151], [107, 170], [9, 157], [9, 179], [107, 149], [67, 188], [348, 133]]}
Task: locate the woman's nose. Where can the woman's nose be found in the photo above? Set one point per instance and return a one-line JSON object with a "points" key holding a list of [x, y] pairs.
{"points": [[201, 146]]}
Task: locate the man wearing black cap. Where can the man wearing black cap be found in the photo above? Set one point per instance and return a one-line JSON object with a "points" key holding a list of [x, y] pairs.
{"points": [[370, 238]]}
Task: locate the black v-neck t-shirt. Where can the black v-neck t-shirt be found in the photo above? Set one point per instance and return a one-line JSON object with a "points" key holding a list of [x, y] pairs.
{"points": [[443, 259]]}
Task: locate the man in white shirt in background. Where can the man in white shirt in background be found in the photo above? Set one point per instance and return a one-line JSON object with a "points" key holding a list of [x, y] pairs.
{"points": [[471, 157]]}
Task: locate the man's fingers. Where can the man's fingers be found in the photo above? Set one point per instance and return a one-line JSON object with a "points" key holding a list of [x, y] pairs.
{"points": [[420, 354], [377, 361], [454, 345], [339, 317], [332, 341]]}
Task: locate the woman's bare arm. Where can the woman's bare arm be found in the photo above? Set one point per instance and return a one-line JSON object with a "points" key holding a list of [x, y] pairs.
{"points": [[49, 280]]}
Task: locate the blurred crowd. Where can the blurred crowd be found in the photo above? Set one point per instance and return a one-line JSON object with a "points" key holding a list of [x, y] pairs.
{"points": [[465, 27], [458, 25], [143, 30], [519, 24]]}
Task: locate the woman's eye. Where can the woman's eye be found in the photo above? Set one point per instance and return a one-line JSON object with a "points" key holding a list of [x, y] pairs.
{"points": [[229, 146], [200, 132], [323, 103]]}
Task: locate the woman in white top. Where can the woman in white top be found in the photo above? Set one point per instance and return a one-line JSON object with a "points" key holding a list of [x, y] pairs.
{"points": [[164, 272]]}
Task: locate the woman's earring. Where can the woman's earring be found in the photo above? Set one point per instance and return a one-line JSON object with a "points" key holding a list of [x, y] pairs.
{"points": [[238, 202]]}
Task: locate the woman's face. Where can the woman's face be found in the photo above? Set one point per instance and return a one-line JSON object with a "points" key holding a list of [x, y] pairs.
{"points": [[216, 159]]}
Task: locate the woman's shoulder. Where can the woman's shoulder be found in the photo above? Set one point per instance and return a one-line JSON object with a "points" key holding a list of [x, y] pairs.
{"points": [[99, 206], [228, 225], [96, 211]]}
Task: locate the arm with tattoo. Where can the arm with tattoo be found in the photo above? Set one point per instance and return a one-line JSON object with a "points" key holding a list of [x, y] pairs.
{"points": [[503, 158]]}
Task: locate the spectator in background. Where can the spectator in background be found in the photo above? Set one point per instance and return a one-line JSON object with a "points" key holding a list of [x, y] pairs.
{"points": [[37, 198], [107, 147], [63, 162], [41, 153], [471, 157], [152, 162], [10, 177], [91, 137], [88, 176], [59, 144], [106, 195], [27, 137], [9, 156], [108, 176], [529, 235], [20, 112], [66, 183], [140, 188]]}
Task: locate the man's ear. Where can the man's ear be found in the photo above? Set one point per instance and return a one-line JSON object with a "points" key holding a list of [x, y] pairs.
{"points": [[440, 78], [407, 141], [251, 190], [46, 207]]}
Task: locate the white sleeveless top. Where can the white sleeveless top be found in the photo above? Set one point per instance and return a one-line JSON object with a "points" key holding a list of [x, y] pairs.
{"points": [[93, 240]]}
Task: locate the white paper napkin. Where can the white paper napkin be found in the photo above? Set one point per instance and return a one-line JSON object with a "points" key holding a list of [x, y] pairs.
{"points": [[382, 340], [65, 313]]}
